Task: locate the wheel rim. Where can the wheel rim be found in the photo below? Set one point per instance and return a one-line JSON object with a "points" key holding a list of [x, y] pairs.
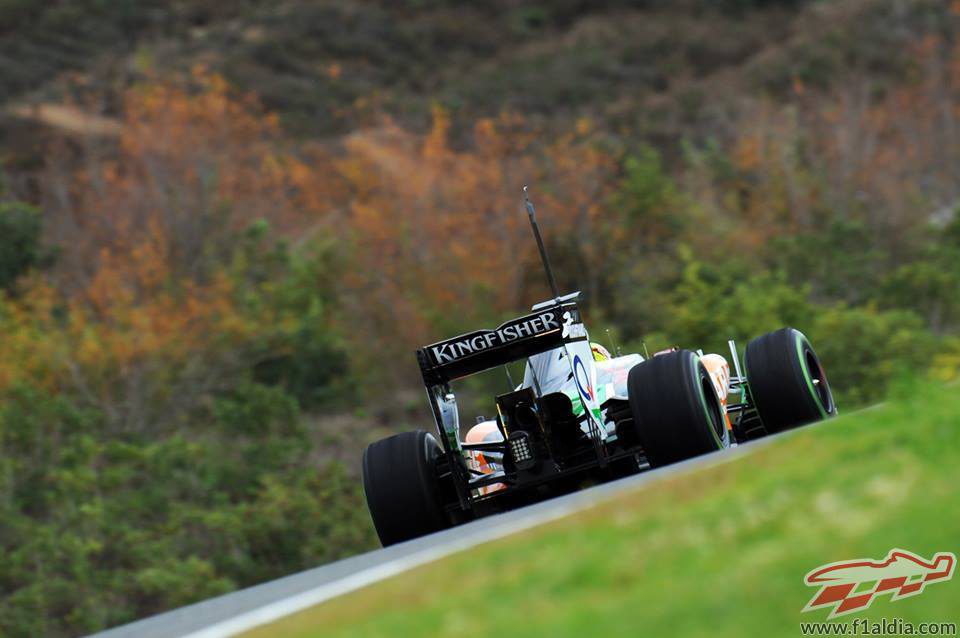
{"points": [[814, 375], [711, 405], [818, 379]]}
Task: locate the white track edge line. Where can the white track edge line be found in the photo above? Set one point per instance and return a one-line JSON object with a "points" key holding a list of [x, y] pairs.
{"points": [[285, 607]]}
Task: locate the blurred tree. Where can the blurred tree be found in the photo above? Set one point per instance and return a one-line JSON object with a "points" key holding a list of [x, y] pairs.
{"points": [[928, 285], [864, 349], [20, 249]]}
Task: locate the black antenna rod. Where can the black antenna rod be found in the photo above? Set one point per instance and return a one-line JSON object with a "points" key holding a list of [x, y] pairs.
{"points": [[532, 214]]}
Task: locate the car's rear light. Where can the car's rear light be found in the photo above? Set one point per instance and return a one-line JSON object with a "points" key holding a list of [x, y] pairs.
{"points": [[521, 450]]}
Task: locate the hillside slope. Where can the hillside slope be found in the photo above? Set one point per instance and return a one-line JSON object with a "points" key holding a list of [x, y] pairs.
{"points": [[719, 552], [225, 227], [662, 68]]}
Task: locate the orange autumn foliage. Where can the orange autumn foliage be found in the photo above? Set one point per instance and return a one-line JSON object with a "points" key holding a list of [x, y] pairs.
{"points": [[424, 226], [440, 237], [431, 235], [143, 356], [194, 163], [144, 313]]}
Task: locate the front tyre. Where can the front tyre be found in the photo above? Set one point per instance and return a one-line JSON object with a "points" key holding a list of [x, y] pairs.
{"points": [[400, 482], [787, 383], [675, 408]]}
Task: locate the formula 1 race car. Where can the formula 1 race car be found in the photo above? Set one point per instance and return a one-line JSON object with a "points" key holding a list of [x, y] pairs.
{"points": [[579, 416]]}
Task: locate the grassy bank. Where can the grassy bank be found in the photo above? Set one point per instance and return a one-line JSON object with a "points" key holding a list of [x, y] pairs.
{"points": [[718, 552]]}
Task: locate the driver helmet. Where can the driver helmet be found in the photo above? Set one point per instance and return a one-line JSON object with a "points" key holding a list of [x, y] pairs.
{"points": [[599, 352]]}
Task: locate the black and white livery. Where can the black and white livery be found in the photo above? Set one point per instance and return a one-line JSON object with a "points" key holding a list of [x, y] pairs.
{"points": [[579, 416]]}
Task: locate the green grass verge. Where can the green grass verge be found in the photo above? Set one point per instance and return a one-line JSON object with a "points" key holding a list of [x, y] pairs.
{"points": [[717, 552]]}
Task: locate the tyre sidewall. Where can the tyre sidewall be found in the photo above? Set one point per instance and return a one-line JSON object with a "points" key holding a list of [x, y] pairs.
{"points": [[781, 381], [674, 415], [399, 481]]}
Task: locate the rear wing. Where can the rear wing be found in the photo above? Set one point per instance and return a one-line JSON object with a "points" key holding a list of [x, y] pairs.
{"points": [[546, 329]]}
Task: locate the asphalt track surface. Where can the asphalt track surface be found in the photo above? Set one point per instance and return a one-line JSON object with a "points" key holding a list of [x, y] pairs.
{"points": [[240, 611]]}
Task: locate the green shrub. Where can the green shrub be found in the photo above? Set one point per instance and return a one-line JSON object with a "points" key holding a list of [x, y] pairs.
{"points": [[864, 349], [19, 241], [714, 303], [96, 532]]}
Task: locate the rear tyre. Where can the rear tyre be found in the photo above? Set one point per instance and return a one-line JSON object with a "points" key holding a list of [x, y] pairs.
{"points": [[787, 382], [400, 482], [675, 408]]}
